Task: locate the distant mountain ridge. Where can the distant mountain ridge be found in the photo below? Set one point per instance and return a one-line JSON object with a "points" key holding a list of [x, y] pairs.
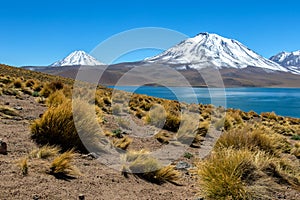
{"points": [[289, 60], [77, 58], [206, 50]]}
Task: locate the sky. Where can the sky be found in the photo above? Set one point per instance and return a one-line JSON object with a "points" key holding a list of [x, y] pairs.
{"points": [[38, 33]]}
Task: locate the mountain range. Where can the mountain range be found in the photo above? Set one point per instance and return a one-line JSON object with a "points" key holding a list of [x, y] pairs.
{"points": [[205, 50], [238, 64]]}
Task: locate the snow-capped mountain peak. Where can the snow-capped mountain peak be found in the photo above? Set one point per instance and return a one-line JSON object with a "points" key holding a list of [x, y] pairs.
{"points": [[207, 49], [291, 60], [77, 58]]}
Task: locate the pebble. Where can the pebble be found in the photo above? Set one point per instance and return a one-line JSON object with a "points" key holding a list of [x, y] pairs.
{"points": [[3, 147], [18, 108], [182, 165]]}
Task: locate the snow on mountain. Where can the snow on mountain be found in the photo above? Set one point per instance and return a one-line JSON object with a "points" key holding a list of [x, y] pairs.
{"points": [[77, 58], [291, 61], [213, 50]]}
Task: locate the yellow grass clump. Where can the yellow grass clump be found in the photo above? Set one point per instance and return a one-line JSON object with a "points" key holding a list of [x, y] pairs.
{"points": [[57, 127], [296, 150], [56, 98], [122, 143], [62, 165], [222, 173], [45, 152], [141, 164], [156, 116], [6, 111], [18, 83], [252, 138], [24, 166]]}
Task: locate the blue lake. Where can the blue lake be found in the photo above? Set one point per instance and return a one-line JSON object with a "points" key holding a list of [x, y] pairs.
{"points": [[283, 101]]}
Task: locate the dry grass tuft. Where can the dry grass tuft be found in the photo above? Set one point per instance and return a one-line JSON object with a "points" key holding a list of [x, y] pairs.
{"points": [[57, 127], [223, 124], [222, 173], [163, 137], [296, 150], [122, 143], [156, 116], [8, 111], [252, 138], [45, 152], [24, 166], [18, 83], [30, 83], [56, 98], [146, 167], [62, 165]]}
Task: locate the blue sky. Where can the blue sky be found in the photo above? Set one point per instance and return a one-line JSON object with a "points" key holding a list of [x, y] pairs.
{"points": [[41, 32]]}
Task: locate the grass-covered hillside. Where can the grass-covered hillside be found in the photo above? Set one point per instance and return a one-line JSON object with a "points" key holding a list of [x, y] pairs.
{"points": [[256, 156]]}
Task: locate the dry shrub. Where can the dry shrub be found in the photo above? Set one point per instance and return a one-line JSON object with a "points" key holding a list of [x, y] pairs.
{"points": [[187, 133], [203, 128], [269, 116], [156, 116], [224, 123], [37, 87], [236, 117], [5, 79], [296, 150], [18, 83], [23, 163], [163, 137], [49, 88], [56, 99], [235, 174], [6, 111], [29, 83], [222, 174], [45, 152], [172, 122], [62, 165], [10, 91], [252, 139], [146, 167], [57, 127], [122, 143], [194, 108], [26, 90]]}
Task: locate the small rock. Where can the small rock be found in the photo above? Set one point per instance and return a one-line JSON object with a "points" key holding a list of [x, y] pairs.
{"points": [[36, 197], [81, 197], [6, 103], [18, 108], [182, 165], [91, 156], [3, 147]]}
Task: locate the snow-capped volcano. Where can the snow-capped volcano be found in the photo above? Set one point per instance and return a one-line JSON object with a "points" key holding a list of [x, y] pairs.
{"points": [[289, 60], [207, 49], [77, 58]]}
